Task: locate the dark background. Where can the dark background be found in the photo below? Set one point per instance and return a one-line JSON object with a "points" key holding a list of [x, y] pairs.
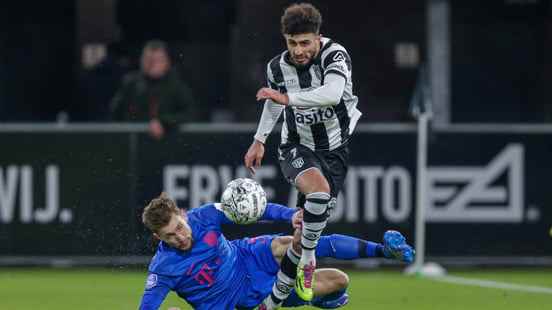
{"points": [[105, 182], [500, 55]]}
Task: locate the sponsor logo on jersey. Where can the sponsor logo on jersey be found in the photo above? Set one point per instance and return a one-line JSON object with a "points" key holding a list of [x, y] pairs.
{"points": [[317, 116]]}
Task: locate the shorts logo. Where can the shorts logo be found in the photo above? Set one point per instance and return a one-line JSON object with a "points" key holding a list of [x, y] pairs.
{"points": [[298, 163], [151, 282]]}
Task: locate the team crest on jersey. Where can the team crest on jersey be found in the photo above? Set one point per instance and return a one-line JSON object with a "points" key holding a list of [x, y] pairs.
{"points": [[151, 282], [298, 163]]}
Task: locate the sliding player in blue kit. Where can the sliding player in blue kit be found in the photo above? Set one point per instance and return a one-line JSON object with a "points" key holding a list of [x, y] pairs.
{"points": [[195, 260]]}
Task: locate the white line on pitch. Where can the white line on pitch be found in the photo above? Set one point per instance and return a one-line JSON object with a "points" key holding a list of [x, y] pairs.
{"points": [[493, 284]]}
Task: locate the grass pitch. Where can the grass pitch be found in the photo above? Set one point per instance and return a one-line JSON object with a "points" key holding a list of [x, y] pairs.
{"points": [[64, 289]]}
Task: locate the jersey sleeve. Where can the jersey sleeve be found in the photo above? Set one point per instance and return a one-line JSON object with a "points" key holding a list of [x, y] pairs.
{"points": [[210, 215], [326, 95], [277, 212], [271, 110], [157, 288], [336, 60]]}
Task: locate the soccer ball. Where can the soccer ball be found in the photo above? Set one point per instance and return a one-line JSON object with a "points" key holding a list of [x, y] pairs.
{"points": [[243, 201]]}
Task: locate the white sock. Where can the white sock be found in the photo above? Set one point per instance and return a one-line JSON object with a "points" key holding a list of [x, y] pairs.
{"points": [[314, 222]]}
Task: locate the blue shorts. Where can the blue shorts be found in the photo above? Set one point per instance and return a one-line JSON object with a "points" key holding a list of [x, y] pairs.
{"points": [[262, 268]]}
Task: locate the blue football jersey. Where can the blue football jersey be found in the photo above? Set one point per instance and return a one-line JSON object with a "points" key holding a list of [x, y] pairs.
{"points": [[212, 274]]}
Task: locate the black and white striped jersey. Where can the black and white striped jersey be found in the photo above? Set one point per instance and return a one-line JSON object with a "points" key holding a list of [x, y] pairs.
{"points": [[308, 120]]}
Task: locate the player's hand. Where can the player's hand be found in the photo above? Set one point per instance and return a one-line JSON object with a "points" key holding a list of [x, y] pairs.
{"points": [[156, 130], [254, 156], [276, 96], [297, 219]]}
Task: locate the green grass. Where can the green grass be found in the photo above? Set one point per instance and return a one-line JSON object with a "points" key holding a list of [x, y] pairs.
{"points": [[60, 289]]}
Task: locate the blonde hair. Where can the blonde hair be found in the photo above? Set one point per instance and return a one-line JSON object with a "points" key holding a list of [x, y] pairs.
{"points": [[158, 213]]}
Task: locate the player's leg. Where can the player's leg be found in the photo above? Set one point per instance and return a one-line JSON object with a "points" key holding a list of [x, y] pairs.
{"points": [[331, 288], [313, 184], [345, 247], [287, 258], [321, 187], [331, 283], [286, 249], [301, 167]]}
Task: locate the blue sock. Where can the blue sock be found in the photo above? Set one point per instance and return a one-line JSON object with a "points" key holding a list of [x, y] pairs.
{"points": [[294, 301], [347, 248], [333, 296]]}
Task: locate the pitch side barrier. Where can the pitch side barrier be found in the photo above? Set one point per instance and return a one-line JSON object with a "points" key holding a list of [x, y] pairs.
{"points": [[73, 193]]}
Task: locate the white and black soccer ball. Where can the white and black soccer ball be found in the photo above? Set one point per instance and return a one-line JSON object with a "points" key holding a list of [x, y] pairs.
{"points": [[243, 201]]}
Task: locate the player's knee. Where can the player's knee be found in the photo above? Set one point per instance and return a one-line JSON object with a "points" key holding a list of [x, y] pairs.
{"points": [[341, 280], [280, 245], [312, 181], [321, 186], [325, 187]]}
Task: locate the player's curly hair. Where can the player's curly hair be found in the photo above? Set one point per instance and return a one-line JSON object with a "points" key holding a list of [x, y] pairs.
{"points": [[158, 213], [301, 18]]}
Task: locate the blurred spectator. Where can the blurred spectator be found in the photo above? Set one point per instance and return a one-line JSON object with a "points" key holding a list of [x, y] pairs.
{"points": [[98, 82], [154, 94]]}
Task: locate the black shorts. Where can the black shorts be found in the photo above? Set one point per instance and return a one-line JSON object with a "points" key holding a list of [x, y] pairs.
{"points": [[295, 159]]}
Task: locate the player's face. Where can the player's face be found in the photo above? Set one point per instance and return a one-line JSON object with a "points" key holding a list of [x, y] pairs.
{"points": [[177, 233], [303, 48], [155, 63]]}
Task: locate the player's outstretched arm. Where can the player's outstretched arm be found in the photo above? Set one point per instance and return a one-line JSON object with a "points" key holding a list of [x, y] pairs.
{"points": [[269, 117], [273, 212], [280, 213], [157, 288]]}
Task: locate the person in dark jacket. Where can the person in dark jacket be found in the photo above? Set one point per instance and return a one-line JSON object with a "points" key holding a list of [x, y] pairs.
{"points": [[155, 94]]}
